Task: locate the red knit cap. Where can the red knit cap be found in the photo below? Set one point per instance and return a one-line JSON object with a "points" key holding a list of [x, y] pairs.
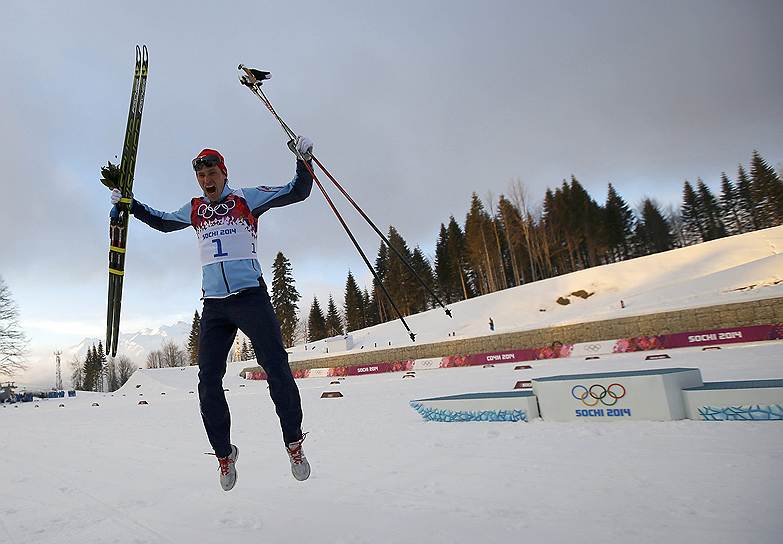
{"points": [[221, 162]]}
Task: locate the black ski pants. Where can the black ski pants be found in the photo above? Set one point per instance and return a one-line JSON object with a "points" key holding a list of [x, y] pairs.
{"points": [[251, 312]]}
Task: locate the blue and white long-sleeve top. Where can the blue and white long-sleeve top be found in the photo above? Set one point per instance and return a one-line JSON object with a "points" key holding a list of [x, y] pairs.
{"points": [[226, 230]]}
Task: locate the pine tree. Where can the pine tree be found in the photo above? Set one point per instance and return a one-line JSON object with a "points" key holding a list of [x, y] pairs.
{"points": [[370, 306], [87, 371], [398, 280], [481, 261], [747, 201], [693, 220], [92, 367], [618, 218], [729, 206], [354, 305], [244, 352], [101, 367], [713, 226], [383, 310], [653, 231], [334, 322], [587, 225], [768, 191], [193, 339], [445, 274], [316, 322], [423, 300], [285, 298], [454, 277]]}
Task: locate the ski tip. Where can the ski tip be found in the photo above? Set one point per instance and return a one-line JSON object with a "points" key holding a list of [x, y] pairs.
{"points": [[448, 313], [413, 337]]}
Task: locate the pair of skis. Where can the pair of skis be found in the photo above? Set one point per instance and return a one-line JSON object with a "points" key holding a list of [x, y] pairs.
{"points": [[122, 179]]}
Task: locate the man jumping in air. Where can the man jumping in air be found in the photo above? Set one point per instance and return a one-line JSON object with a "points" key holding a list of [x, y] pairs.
{"points": [[235, 297]]}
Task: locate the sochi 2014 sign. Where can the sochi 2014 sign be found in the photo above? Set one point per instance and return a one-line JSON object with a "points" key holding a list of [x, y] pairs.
{"points": [[651, 395], [599, 400]]}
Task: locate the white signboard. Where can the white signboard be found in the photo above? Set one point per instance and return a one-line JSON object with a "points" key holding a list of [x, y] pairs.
{"points": [[592, 349], [426, 364], [652, 395]]}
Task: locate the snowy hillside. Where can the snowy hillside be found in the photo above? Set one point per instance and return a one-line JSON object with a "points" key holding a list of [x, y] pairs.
{"points": [[735, 269]]}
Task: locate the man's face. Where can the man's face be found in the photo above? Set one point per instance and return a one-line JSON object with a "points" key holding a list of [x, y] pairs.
{"points": [[212, 180]]}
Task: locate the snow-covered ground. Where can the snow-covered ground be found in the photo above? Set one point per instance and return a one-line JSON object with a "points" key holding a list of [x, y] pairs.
{"points": [[121, 472]]}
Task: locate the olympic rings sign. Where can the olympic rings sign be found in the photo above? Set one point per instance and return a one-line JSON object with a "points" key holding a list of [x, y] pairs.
{"points": [[597, 393], [208, 211]]}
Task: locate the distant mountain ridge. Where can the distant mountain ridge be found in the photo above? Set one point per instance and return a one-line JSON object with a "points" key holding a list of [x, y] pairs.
{"points": [[136, 345]]}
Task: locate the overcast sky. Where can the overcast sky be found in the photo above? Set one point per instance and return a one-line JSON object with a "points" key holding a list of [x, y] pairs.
{"points": [[412, 105]]}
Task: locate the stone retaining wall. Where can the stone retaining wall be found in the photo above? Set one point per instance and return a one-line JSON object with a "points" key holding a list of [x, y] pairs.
{"points": [[757, 312]]}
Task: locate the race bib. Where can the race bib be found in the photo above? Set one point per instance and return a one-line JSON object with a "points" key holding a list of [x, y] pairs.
{"points": [[226, 231]]}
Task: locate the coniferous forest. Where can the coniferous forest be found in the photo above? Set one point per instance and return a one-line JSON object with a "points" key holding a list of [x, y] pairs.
{"points": [[511, 241]]}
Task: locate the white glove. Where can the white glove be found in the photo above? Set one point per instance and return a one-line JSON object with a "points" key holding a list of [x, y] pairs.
{"points": [[116, 195], [302, 146]]}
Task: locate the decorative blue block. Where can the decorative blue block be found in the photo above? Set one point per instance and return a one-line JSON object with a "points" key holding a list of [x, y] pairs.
{"points": [[449, 416], [771, 412]]}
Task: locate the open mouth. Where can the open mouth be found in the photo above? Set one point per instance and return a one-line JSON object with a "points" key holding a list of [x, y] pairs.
{"points": [[210, 189]]}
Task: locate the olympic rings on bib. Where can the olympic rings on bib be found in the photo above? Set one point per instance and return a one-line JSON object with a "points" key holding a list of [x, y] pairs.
{"points": [[208, 211], [591, 396]]}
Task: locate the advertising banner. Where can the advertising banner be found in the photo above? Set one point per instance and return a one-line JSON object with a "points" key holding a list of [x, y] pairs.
{"points": [[553, 351], [398, 366], [724, 336]]}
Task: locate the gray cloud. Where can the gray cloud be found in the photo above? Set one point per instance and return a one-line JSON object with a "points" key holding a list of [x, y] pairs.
{"points": [[412, 106]]}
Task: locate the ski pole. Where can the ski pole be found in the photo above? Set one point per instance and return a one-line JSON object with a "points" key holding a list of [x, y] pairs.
{"points": [[254, 87], [379, 233], [254, 81]]}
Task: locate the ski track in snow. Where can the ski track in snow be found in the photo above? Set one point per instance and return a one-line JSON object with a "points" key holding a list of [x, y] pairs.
{"points": [[122, 472]]}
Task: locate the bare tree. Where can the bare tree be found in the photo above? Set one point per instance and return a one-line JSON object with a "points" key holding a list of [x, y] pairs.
{"points": [[13, 342], [300, 332], [111, 375], [124, 368], [77, 372], [172, 355], [154, 359]]}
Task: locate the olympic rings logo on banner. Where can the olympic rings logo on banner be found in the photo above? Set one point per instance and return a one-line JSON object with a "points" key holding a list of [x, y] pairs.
{"points": [[208, 211], [593, 347], [591, 396]]}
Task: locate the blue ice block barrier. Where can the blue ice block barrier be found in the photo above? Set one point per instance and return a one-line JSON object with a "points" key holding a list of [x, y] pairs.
{"points": [[768, 412], [71, 393], [450, 416]]}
